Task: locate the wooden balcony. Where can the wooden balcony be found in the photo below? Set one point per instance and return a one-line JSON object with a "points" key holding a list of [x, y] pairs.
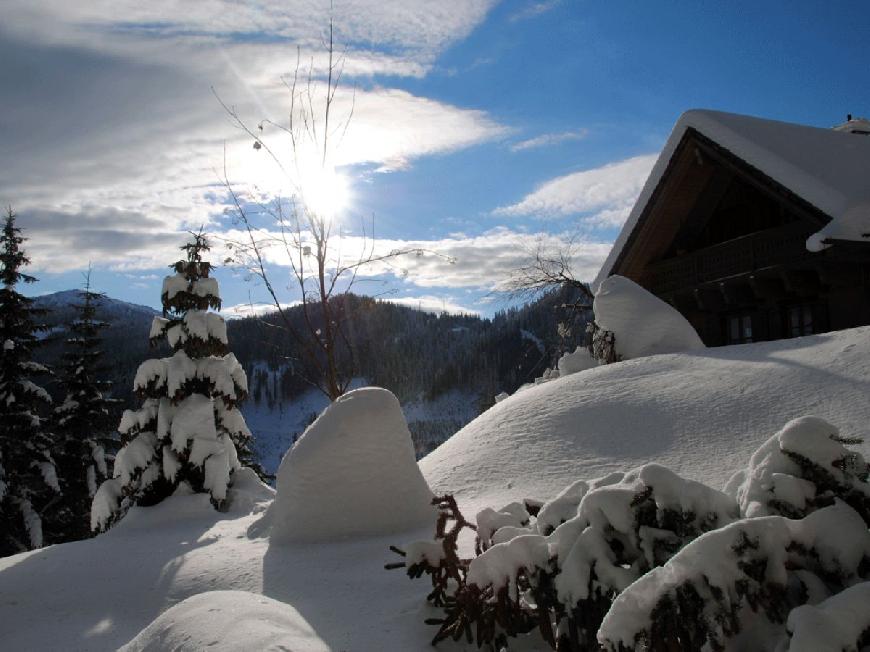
{"points": [[744, 255]]}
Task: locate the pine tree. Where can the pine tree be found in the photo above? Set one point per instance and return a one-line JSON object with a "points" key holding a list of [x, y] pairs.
{"points": [[189, 429], [28, 479], [82, 423]]}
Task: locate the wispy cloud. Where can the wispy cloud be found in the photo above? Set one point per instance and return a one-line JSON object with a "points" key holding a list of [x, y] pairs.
{"points": [[433, 304], [480, 262], [252, 309], [548, 140], [535, 9], [603, 196], [414, 29]]}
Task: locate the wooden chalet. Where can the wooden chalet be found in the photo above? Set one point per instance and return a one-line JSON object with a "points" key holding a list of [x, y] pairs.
{"points": [[755, 229]]}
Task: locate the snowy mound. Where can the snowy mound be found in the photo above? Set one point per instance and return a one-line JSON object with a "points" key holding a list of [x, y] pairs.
{"points": [[579, 360], [226, 621], [642, 323], [701, 414], [352, 472]]}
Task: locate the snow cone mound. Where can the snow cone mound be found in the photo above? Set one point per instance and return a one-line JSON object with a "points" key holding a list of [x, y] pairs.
{"points": [[352, 472], [226, 621], [642, 323]]}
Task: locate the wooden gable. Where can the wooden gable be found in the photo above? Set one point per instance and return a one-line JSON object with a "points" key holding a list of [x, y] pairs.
{"points": [[722, 241], [708, 197]]}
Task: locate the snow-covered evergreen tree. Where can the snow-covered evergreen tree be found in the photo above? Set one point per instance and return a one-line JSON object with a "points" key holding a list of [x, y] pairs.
{"points": [[28, 479], [82, 423], [189, 429]]}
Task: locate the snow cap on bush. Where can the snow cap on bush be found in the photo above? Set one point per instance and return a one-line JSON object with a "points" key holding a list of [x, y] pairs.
{"points": [[641, 323], [738, 581], [804, 466]]}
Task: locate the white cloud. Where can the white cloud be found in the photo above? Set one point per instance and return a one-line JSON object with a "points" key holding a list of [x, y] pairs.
{"points": [[129, 242], [108, 105], [66, 240], [605, 194], [534, 10], [433, 304], [482, 261], [416, 29], [548, 140], [253, 309], [388, 127]]}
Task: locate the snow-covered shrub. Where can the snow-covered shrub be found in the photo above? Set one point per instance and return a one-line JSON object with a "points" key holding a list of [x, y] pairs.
{"points": [[556, 567], [738, 584], [641, 324], [602, 345], [647, 560], [734, 588], [189, 428], [839, 624], [801, 468]]}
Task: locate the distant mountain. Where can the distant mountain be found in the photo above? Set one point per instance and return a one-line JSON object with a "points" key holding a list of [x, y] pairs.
{"points": [[125, 339], [445, 369], [62, 302]]}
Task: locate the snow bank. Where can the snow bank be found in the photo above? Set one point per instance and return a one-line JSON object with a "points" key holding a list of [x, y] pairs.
{"points": [[701, 414], [226, 621], [579, 360], [352, 472], [642, 323]]}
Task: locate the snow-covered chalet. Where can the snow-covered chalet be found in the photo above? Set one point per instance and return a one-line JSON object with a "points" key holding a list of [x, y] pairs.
{"points": [[754, 229]]}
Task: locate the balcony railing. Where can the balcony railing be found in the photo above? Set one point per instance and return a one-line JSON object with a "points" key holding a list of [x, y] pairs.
{"points": [[742, 255]]}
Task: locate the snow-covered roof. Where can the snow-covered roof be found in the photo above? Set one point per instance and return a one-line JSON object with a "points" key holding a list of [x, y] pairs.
{"points": [[828, 168]]}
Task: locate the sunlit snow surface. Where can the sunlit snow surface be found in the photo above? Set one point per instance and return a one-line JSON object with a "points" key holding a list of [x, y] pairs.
{"points": [[701, 414]]}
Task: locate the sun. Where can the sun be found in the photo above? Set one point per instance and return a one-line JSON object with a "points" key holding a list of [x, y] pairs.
{"points": [[325, 192]]}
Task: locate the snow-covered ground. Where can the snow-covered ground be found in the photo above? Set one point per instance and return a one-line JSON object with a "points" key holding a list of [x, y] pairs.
{"points": [[702, 414]]}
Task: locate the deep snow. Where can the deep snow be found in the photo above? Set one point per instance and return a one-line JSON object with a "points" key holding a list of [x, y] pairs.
{"points": [[228, 621], [642, 324], [701, 414], [352, 472]]}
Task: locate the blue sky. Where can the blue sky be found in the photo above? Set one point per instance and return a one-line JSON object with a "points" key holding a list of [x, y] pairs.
{"points": [[480, 128]]}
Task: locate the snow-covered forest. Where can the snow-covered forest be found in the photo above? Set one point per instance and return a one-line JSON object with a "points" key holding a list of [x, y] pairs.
{"points": [[445, 369]]}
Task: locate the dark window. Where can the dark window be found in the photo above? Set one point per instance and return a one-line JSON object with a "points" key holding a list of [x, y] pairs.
{"points": [[739, 329], [800, 320]]}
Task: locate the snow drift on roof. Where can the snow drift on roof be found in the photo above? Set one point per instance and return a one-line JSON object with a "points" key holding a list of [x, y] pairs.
{"points": [[829, 169]]}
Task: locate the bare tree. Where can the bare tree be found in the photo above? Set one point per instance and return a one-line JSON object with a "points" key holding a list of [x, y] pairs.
{"points": [[548, 268], [302, 231]]}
